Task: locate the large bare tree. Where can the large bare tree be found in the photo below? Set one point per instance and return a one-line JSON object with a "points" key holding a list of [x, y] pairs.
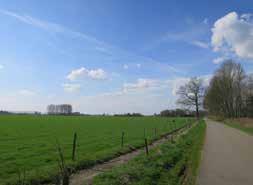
{"points": [[227, 91], [191, 94]]}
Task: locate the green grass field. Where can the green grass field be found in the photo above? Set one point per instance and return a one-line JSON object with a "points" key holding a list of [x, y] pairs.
{"points": [[28, 143]]}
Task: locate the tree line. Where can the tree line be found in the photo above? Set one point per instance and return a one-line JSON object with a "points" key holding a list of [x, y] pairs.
{"points": [[229, 94], [64, 109], [180, 113]]}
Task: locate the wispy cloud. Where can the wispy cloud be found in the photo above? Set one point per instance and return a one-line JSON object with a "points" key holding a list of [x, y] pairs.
{"points": [[200, 44], [71, 87], [1, 66], [50, 27], [125, 66], [219, 60], [26, 92], [141, 84], [193, 33], [205, 21], [114, 51], [95, 74]]}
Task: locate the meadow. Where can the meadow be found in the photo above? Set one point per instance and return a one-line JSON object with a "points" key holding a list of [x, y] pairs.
{"points": [[29, 143]]}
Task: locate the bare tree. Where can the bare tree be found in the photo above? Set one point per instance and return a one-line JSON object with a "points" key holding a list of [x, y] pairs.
{"points": [[59, 109], [191, 94], [226, 94]]}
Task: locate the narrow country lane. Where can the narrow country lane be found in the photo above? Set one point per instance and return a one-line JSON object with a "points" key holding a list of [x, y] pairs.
{"points": [[227, 156]]}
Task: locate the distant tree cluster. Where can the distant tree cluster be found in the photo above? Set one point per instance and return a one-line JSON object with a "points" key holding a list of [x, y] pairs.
{"points": [[129, 115], [64, 109], [180, 113], [230, 93], [4, 112]]}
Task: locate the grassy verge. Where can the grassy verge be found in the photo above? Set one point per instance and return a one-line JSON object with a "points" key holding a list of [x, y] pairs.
{"points": [[240, 125], [170, 163]]}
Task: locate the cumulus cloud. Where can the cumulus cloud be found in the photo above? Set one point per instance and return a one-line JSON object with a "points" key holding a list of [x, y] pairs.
{"points": [[95, 74], [140, 84], [71, 87], [234, 33]]}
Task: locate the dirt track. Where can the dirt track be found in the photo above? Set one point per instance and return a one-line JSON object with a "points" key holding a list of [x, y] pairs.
{"points": [[86, 176], [227, 157]]}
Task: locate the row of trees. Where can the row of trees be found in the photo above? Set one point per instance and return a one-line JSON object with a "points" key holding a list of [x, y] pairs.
{"points": [[59, 109], [180, 113], [229, 94]]}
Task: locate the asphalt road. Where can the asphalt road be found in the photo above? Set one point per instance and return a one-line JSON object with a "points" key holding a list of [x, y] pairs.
{"points": [[227, 157]]}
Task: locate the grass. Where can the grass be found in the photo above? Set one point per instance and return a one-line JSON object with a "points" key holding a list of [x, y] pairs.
{"points": [[241, 124], [28, 143], [168, 164]]}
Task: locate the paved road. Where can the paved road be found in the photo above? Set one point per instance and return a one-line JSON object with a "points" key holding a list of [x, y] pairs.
{"points": [[227, 157]]}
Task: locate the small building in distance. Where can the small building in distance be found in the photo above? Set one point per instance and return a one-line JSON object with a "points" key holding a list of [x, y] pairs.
{"points": [[64, 109]]}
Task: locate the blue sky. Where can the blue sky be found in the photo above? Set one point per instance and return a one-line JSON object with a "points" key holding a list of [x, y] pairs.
{"points": [[115, 56]]}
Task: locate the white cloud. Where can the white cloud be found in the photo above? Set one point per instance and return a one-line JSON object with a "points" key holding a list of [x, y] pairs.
{"points": [[99, 45], [205, 21], [50, 27], [136, 97], [141, 84], [125, 66], [234, 33], [193, 31], [138, 65], [103, 50], [206, 79], [1, 66], [95, 74], [26, 92], [200, 44], [174, 84], [144, 102], [218, 60], [71, 87], [247, 16], [145, 96]]}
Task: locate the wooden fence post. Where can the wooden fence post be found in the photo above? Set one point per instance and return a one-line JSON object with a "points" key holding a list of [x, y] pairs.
{"points": [[146, 146], [74, 147], [172, 138], [122, 139]]}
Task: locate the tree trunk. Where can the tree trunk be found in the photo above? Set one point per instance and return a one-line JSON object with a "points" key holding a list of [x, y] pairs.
{"points": [[197, 107]]}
